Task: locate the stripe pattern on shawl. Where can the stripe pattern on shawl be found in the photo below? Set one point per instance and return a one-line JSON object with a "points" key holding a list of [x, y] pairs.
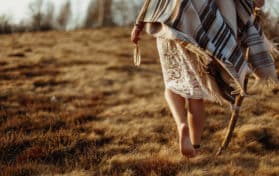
{"points": [[201, 23], [252, 37]]}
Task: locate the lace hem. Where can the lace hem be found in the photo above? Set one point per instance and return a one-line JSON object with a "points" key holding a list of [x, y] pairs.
{"points": [[188, 96], [178, 72]]}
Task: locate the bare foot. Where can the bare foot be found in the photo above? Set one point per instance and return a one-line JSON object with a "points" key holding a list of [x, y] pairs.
{"points": [[186, 147]]}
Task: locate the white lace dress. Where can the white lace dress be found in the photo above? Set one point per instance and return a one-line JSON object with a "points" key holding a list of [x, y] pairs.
{"points": [[178, 72]]}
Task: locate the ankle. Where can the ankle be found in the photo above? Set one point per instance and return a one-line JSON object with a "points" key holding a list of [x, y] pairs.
{"points": [[183, 130]]}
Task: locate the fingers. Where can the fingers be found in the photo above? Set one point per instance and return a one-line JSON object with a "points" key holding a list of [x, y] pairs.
{"points": [[135, 40], [136, 32], [135, 35]]}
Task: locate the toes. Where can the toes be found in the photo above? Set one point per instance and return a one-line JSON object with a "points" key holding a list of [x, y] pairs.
{"points": [[189, 155], [186, 146]]}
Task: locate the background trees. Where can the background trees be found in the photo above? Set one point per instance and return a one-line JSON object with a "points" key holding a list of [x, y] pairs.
{"points": [[47, 15]]}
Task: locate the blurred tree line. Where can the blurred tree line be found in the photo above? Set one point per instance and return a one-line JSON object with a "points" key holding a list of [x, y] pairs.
{"points": [[99, 13]]}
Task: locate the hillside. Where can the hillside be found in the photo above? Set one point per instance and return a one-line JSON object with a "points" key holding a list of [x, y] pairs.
{"points": [[72, 103]]}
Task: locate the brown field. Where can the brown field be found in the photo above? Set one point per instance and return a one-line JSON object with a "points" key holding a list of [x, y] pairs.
{"points": [[72, 103]]}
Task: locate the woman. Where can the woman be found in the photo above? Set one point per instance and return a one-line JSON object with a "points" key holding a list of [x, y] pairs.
{"points": [[200, 44]]}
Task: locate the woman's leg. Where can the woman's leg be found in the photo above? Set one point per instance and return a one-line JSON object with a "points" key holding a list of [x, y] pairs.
{"points": [[179, 113], [196, 119]]}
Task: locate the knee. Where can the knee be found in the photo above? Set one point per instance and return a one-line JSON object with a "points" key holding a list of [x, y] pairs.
{"points": [[172, 96], [169, 94]]}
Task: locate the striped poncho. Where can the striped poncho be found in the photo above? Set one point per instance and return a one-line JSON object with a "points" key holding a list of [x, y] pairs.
{"points": [[228, 39]]}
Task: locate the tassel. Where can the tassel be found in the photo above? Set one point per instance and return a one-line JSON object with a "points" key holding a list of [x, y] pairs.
{"points": [[137, 55]]}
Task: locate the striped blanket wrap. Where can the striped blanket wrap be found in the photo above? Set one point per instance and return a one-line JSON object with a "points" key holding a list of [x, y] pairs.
{"points": [[228, 51]]}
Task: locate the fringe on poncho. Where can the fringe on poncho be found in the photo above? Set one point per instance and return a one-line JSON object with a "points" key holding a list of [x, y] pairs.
{"points": [[227, 51]]}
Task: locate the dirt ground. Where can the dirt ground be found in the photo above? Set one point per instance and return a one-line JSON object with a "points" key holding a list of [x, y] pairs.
{"points": [[73, 103]]}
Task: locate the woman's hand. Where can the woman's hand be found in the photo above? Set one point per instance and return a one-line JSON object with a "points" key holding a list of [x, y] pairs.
{"points": [[259, 3], [135, 34]]}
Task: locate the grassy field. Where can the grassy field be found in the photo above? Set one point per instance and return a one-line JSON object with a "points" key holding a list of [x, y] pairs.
{"points": [[72, 103]]}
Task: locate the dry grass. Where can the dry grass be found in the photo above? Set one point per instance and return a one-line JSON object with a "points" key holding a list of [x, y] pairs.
{"points": [[72, 103]]}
